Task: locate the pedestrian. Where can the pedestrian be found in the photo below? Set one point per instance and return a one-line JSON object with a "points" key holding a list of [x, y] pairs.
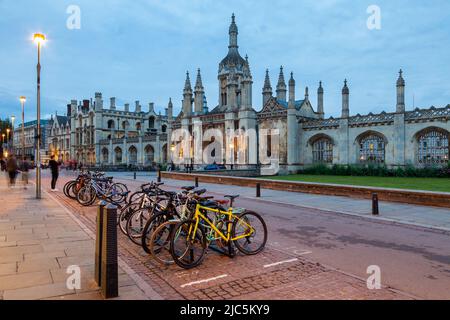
{"points": [[11, 167], [25, 168], [54, 168], [3, 164]]}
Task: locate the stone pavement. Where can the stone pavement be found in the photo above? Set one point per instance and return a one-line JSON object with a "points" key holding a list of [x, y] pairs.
{"points": [[422, 216], [39, 239]]}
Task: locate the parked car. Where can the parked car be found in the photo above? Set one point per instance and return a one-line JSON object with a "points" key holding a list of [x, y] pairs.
{"points": [[211, 167]]}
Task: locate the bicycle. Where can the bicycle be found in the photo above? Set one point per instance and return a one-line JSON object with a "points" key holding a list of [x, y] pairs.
{"points": [[190, 239]]}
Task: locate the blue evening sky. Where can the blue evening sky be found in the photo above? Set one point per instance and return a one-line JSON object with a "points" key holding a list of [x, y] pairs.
{"points": [[141, 49]]}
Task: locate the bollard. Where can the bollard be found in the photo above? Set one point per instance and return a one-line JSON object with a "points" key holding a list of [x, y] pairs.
{"points": [[98, 243], [196, 182], [135, 175], [258, 190], [375, 208], [109, 268], [159, 176]]}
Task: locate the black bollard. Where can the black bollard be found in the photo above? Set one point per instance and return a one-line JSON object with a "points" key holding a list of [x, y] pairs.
{"points": [[375, 208], [135, 175], [98, 243], [109, 269], [258, 190], [196, 182], [159, 176]]}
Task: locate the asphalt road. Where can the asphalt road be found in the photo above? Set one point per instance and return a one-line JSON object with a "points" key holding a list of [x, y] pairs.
{"points": [[413, 260]]}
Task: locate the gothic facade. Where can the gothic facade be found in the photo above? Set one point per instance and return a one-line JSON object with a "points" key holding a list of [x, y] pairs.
{"points": [[110, 137], [304, 135]]}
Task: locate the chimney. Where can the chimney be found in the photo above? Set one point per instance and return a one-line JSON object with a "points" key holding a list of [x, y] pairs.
{"points": [[113, 103], [98, 101], [138, 106], [127, 107], [151, 107]]}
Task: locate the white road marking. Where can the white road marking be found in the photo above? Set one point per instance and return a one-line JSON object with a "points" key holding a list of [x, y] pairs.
{"points": [[280, 262], [203, 281], [302, 253]]}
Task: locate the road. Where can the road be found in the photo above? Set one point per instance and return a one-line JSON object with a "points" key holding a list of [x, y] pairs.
{"points": [[413, 260]]}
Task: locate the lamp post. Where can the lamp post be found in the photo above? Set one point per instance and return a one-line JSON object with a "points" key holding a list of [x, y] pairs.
{"points": [[13, 118], [22, 102], [39, 40], [8, 130]]}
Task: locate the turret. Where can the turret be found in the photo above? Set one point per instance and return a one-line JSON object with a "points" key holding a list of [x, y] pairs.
{"points": [[98, 101], [187, 97], [138, 106], [320, 101], [267, 89], [292, 91], [345, 101], [112, 104], [400, 93], [198, 94], [281, 86], [170, 110]]}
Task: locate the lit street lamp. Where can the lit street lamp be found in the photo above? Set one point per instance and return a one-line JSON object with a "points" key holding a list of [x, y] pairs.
{"points": [[22, 102], [39, 39]]}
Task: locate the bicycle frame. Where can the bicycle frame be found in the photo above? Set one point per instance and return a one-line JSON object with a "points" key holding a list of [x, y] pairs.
{"points": [[199, 216]]}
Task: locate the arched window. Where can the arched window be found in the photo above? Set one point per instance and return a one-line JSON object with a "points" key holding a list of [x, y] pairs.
{"points": [[164, 128], [105, 156], [151, 122], [322, 150], [149, 155], [372, 149], [132, 153], [111, 124], [138, 126], [118, 155], [433, 147], [125, 125]]}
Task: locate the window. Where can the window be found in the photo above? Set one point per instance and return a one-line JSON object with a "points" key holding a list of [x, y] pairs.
{"points": [[111, 124], [105, 156], [322, 151], [151, 122], [118, 154], [164, 128], [133, 155], [149, 155], [433, 147], [372, 149]]}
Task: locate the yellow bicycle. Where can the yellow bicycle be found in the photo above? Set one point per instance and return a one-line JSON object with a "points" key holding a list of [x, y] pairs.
{"points": [[190, 239]]}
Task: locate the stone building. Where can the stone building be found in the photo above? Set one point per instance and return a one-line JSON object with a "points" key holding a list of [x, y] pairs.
{"points": [[59, 137], [28, 148], [303, 134], [116, 137]]}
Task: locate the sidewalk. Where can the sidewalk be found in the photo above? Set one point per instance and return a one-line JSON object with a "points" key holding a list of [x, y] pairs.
{"points": [[39, 239], [422, 216]]}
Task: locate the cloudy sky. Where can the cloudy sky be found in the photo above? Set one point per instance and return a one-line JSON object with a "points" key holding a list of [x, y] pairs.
{"points": [[141, 49]]}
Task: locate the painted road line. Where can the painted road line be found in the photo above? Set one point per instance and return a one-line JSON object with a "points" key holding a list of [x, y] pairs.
{"points": [[280, 262], [203, 281], [302, 253]]}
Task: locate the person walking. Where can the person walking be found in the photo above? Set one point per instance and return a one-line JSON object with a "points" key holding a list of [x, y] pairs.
{"points": [[3, 164], [25, 168], [11, 167], [54, 168]]}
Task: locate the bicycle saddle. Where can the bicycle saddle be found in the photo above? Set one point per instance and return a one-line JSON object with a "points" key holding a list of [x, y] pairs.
{"points": [[199, 192], [231, 197], [188, 188]]}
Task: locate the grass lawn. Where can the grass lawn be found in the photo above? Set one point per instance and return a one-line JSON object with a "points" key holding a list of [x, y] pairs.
{"points": [[429, 184]]}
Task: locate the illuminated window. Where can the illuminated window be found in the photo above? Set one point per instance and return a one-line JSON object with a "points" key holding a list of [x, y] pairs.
{"points": [[372, 149], [433, 147]]}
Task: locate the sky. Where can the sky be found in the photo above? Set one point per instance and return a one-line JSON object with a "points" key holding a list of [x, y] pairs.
{"points": [[141, 50]]}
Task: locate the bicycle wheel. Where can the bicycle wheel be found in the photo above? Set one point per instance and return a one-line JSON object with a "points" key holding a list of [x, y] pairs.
{"points": [[160, 242], [86, 196], [66, 188], [154, 222], [124, 215], [253, 230], [136, 223], [188, 250], [116, 192]]}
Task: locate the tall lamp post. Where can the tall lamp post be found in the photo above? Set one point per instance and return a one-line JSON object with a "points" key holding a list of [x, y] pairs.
{"points": [[39, 40], [13, 118], [22, 102], [8, 130]]}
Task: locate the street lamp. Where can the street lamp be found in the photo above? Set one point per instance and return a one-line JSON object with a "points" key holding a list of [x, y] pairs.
{"points": [[22, 102], [39, 39], [13, 118]]}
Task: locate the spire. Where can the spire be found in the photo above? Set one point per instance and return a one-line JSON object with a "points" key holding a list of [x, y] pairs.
{"points": [[267, 85], [345, 101], [233, 32], [400, 81], [306, 93], [291, 80], [198, 83], [170, 105], [281, 86], [187, 84]]}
